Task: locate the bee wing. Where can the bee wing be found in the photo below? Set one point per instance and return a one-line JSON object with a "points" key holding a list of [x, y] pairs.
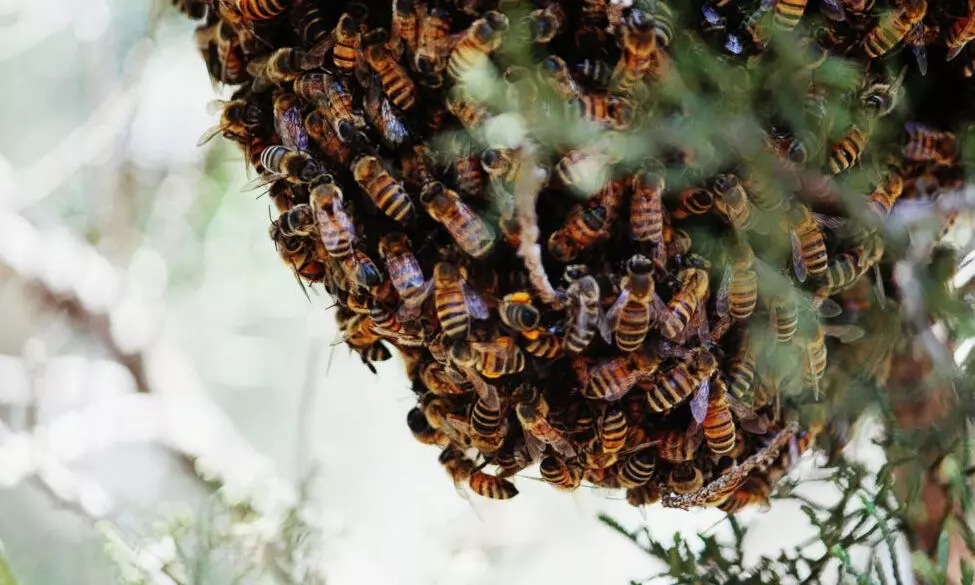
{"points": [[798, 263], [261, 181], [699, 404], [828, 308], [919, 48], [833, 10], [394, 130], [535, 447], [607, 325], [741, 410], [210, 134], [878, 287], [475, 304], [721, 304], [216, 106], [564, 447], [341, 217], [291, 129], [954, 52], [828, 221], [845, 333]]}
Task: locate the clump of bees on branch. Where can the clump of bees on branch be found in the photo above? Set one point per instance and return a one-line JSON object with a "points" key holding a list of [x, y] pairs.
{"points": [[616, 244]]}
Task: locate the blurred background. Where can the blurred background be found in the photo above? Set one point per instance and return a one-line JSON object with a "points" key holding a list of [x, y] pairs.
{"points": [[173, 409]]}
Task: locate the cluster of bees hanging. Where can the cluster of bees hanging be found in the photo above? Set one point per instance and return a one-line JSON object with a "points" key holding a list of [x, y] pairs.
{"points": [[616, 241]]}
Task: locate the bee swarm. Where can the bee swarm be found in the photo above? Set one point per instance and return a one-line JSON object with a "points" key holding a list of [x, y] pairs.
{"points": [[619, 241]]}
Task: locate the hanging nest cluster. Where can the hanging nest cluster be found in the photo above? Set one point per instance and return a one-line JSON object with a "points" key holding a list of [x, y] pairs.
{"points": [[622, 242]]}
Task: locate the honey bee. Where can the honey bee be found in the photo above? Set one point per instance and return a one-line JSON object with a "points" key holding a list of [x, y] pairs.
{"points": [[687, 377], [788, 13], [487, 426], [546, 345], [639, 41], [456, 464], [396, 84], [719, 426], [733, 202], [586, 169], [380, 114], [492, 486], [311, 23], [584, 314], [846, 152], [405, 29], [544, 24], [646, 212], [879, 98], [808, 242], [298, 254], [532, 412], [284, 66], [435, 379], [256, 10], [678, 446], [404, 271], [377, 352], [298, 221], [611, 379], [433, 46], [685, 478], [470, 113], [327, 141], [482, 38], [892, 27], [613, 429], [517, 312], [330, 94], [962, 31], [471, 233], [288, 121], [455, 301], [595, 73], [600, 108], [555, 72], [927, 144], [282, 195], [738, 294], [230, 62], [741, 374], [238, 118], [636, 308], [583, 228], [886, 194], [348, 37], [814, 360], [421, 429], [753, 490], [643, 495], [686, 301], [562, 477], [636, 469], [294, 166], [492, 359], [385, 191], [501, 164], [693, 202]]}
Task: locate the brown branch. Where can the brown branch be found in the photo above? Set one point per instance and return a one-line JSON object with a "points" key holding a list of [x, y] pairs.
{"points": [[98, 323], [918, 405]]}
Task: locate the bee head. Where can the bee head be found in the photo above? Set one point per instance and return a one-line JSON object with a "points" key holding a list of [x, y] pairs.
{"points": [[639, 20], [638, 264]]}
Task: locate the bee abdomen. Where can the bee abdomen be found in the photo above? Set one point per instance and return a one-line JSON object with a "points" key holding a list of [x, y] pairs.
{"points": [[637, 469]]}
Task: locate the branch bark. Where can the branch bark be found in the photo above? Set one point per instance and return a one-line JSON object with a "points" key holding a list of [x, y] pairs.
{"points": [[920, 402]]}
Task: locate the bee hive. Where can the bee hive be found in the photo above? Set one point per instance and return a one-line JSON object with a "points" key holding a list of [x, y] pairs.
{"points": [[618, 241]]}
